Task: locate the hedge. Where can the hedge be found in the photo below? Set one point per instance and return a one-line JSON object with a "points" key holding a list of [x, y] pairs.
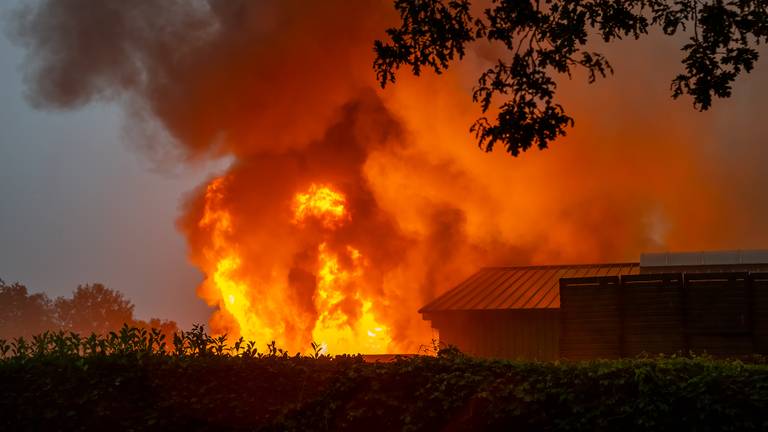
{"points": [[132, 381]]}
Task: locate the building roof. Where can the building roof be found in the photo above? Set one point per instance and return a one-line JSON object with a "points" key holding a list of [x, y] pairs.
{"points": [[532, 287]]}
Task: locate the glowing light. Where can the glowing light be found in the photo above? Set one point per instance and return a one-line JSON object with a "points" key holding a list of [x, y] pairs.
{"points": [[227, 262], [345, 320], [322, 203]]}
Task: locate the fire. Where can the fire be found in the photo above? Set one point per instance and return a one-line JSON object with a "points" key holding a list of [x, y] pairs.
{"points": [[320, 202], [345, 207], [344, 322], [335, 328], [233, 292]]}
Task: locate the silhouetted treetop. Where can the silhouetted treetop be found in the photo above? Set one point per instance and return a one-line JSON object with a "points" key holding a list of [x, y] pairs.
{"points": [[94, 308], [549, 37], [23, 314]]}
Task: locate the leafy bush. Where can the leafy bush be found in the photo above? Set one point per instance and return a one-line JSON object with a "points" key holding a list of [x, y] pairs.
{"points": [[133, 380]]}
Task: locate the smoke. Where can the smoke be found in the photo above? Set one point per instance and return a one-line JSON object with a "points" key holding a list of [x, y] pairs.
{"points": [[286, 89], [221, 76]]}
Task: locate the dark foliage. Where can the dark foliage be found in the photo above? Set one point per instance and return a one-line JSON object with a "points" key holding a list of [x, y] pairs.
{"points": [[551, 37], [21, 313], [92, 308], [129, 380]]}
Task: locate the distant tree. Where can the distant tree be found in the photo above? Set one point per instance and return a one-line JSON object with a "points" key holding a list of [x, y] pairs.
{"points": [[94, 309], [22, 314], [91, 309], [548, 37]]}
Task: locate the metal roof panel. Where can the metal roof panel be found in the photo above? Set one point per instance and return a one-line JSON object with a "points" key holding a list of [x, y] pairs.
{"points": [[527, 287]]}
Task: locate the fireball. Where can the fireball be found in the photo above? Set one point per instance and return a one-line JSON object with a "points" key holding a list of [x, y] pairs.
{"points": [[344, 321]]}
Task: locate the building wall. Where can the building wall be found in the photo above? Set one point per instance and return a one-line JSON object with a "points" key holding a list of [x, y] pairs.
{"points": [[530, 334], [723, 314]]}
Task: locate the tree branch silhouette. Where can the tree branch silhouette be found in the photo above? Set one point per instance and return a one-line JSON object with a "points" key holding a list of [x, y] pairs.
{"points": [[546, 38]]}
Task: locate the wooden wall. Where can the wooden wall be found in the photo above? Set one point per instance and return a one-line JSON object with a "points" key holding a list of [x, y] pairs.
{"points": [[760, 311], [723, 314], [530, 334], [589, 324], [652, 316]]}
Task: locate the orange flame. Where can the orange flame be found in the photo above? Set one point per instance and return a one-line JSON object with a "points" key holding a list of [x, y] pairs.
{"points": [[345, 321], [320, 202], [233, 293], [336, 329]]}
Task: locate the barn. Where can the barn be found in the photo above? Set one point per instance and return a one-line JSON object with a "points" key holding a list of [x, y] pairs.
{"points": [[714, 302]]}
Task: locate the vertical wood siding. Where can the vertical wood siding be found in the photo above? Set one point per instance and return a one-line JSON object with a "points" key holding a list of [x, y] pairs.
{"points": [[509, 334], [723, 314], [590, 318]]}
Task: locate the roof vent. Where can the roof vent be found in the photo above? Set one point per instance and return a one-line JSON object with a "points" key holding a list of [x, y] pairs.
{"points": [[679, 259]]}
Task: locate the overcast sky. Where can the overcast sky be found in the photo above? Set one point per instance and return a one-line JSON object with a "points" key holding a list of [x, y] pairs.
{"points": [[79, 205]]}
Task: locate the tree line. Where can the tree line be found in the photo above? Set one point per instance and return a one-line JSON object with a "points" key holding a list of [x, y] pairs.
{"points": [[92, 308]]}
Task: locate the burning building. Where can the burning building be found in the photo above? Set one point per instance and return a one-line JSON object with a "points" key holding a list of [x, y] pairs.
{"points": [[344, 207], [714, 302]]}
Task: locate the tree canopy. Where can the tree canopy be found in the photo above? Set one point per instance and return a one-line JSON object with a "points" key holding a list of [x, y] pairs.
{"points": [[23, 314], [93, 308], [550, 37]]}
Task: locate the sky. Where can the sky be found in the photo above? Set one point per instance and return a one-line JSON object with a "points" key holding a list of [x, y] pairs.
{"points": [[79, 205]]}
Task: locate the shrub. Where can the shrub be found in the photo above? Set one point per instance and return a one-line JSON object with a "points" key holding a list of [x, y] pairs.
{"points": [[134, 380]]}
